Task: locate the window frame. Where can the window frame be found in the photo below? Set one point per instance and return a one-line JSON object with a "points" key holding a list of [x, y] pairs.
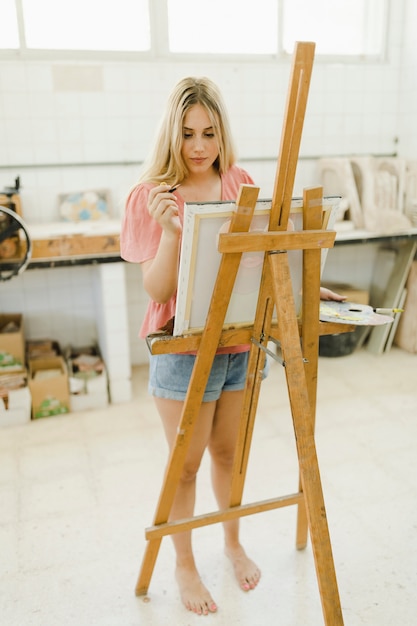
{"points": [[159, 50]]}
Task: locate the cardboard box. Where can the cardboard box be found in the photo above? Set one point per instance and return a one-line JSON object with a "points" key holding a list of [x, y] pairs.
{"points": [[42, 348], [18, 407], [49, 386], [88, 385], [12, 343]]}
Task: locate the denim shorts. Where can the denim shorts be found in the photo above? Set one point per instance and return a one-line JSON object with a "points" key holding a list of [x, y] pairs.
{"points": [[169, 375]]}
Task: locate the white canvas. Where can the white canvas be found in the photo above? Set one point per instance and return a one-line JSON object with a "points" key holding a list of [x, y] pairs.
{"points": [[200, 261]]}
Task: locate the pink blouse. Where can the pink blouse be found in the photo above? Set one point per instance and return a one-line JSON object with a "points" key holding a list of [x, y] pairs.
{"points": [[140, 235]]}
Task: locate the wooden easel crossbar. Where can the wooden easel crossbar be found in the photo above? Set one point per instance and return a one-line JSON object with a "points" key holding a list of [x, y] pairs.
{"points": [[297, 337]]}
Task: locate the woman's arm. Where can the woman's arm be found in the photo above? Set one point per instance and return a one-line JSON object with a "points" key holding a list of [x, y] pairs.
{"points": [[160, 274]]}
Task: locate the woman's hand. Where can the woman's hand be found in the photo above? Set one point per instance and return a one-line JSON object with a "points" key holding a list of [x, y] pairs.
{"points": [[328, 294], [162, 206]]}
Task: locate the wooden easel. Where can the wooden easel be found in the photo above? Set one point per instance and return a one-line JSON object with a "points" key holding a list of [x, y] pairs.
{"points": [[299, 346]]}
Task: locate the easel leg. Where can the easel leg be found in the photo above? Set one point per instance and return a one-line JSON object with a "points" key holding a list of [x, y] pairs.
{"points": [[312, 219], [148, 564], [253, 382], [304, 435]]}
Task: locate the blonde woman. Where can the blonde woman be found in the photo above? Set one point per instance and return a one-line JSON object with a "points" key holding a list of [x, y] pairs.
{"points": [[193, 161]]}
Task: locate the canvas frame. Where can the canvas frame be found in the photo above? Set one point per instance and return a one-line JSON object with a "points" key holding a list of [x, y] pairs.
{"points": [[200, 261]]}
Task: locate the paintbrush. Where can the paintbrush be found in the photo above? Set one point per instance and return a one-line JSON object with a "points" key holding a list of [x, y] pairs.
{"points": [[387, 311]]}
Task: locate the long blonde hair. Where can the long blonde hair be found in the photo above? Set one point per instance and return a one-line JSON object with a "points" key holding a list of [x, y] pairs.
{"points": [[165, 162]]}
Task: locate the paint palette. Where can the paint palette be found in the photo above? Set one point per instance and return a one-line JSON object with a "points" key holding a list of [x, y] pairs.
{"points": [[351, 313]]}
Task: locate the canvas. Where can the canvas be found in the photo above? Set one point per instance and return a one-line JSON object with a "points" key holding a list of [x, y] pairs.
{"points": [[200, 261]]}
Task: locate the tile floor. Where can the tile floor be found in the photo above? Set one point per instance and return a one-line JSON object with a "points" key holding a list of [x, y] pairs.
{"points": [[77, 491]]}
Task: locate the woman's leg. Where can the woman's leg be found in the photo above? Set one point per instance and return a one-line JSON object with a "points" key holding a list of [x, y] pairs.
{"points": [[194, 594], [222, 447]]}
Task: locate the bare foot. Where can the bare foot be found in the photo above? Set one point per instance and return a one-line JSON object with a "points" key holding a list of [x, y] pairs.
{"points": [[246, 571], [194, 594]]}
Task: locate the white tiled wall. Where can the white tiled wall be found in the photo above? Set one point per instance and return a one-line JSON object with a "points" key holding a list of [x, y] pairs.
{"points": [[57, 303], [407, 96], [44, 119], [59, 138]]}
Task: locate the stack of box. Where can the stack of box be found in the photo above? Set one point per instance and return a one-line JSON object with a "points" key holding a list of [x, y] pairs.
{"points": [[52, 383], [88, 379], [15, 398], [48, 379]]}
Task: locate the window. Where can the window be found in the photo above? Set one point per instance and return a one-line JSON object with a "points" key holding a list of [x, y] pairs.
{"points": [[339, 27], [87, 24], [161, 28], [226, 28], [121, 25], [8, 19]]}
